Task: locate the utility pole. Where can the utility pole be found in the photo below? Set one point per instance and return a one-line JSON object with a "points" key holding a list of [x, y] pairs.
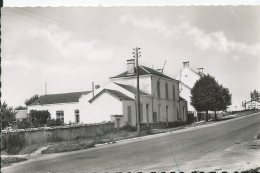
{"points": [[137, 54]]}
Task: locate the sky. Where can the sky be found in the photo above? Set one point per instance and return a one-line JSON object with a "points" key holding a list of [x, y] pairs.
{"points": [[70, 47]]}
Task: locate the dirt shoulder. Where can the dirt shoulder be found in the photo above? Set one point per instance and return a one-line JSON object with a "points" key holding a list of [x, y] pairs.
{"points": [[239, 157]]}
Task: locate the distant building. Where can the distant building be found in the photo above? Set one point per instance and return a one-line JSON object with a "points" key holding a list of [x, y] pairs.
{"points": [[61, 106], [252, 104], [159, 100], [21, 115], [188, 78]]}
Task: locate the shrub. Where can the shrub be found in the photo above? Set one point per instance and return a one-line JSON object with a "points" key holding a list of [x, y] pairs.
{"points": [[39, 118], [129, 128], [24, 124], [54, 122]]}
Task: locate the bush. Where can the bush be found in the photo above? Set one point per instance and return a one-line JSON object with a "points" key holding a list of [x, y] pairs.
{"points": [[129, 128], [24, 124], [54, 122], [39, 118]]}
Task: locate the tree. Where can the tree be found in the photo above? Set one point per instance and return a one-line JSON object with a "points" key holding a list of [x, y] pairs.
{"points": [[222, 99], [20, 108], [7, 115], [31, 100], [39, 118], [203, 94], [255, 95]]}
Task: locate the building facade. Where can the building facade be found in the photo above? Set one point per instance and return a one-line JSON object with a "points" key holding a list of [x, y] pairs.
{"points": [[188, 78], [116, 101], [252, 104]]}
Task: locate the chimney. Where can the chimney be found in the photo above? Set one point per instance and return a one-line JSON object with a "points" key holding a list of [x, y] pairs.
{"points": [[97, 86], [186, 64], [159, 70], [131, 66], [200, 70]]}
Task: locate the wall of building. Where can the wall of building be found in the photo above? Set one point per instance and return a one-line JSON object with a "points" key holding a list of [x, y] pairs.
{"points": [[185, 93], [183, 111], [100, 109], [68, 108], [253, 105]]}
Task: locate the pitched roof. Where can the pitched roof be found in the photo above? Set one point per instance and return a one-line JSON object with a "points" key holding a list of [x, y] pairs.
{"points": [[182, 99], [115, 93], [59, 98], [131, 89], [144, 71]]}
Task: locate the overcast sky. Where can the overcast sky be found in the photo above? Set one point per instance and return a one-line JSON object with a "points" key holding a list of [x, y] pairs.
{"points": [[68, 48]]}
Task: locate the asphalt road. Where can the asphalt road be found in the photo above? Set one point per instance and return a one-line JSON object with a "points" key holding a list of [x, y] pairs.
{"points": [[154, 153]]}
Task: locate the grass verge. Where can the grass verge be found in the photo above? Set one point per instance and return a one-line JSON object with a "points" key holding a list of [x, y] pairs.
{"points": [[69, 146], [7, 161]]}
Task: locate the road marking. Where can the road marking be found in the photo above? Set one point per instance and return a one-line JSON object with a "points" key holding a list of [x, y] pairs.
{"points": [[176, 163]]}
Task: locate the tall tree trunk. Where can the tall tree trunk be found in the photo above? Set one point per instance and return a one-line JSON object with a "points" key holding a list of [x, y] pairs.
{"points": [[215, 115], [207, 116]]}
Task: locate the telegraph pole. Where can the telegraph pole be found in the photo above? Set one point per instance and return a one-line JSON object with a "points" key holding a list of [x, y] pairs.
{"points": [[137, 54]]}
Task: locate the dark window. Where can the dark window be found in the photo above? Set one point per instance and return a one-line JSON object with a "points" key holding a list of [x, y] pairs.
{"points": [[173, 92], [141, 113], [159, 112], [166, 91], [77, 119], [167, 114], [129, 114], [158, 89], [60, 116], [154, 117], [147, 112]]}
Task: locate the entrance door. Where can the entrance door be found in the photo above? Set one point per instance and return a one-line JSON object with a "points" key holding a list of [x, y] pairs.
{"points": [[154, 117]]}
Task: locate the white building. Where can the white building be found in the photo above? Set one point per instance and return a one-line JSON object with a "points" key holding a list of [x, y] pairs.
{"points": [[159, 100], [252, 104], [61, 106], [188, 78]]}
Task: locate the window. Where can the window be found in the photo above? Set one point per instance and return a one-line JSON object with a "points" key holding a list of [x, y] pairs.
{"points": [[159, 112], [173, 92], [154, 117], [166, 91], [167, 114], [129, 114], [158, 89], [77, 119], [60, 116], [141, 113], [147, 112]]}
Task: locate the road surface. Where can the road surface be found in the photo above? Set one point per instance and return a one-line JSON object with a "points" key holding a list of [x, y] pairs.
{"points": [[154, 153]]}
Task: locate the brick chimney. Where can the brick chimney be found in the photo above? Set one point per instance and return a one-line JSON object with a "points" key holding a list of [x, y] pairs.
{"points": [[131, 66], [200, 70], [186, 64]]}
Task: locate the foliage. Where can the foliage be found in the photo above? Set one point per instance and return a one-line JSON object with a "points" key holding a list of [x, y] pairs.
{"points": [[31, 100], [54, 122], [24, 124], [128, 127], [255, 95], [208, 95], [222, 99], [39, 118], [7, 115], [20, 108]]}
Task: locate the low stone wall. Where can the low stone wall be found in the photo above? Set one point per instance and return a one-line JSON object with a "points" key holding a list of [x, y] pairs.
{"points": [[23, 138], [163, 125]]}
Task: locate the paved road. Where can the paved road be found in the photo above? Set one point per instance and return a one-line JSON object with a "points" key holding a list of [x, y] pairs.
{"points": [[148, 154]]}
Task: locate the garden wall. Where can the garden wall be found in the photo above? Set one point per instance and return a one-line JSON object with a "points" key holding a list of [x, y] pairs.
{"points": [[23, 138]]}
